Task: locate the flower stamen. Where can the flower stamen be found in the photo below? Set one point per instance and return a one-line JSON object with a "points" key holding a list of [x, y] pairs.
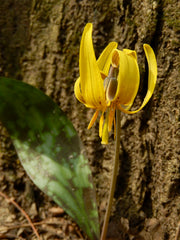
{"points": [[101, 121], [93, 119], [111, 117], [105, 132]]}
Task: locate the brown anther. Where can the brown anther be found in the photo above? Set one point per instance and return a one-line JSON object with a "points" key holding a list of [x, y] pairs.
{"points": [[110, 83]]}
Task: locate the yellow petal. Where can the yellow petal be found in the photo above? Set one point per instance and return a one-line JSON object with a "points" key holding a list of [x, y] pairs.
{"points": [[152, 77], [128, 77], [78, 94], [131, 53], [77, 91], [104, 59], [90, 76]]}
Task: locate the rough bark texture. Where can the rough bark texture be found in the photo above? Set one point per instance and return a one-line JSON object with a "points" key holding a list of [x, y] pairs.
{"points": [[39, 44]]}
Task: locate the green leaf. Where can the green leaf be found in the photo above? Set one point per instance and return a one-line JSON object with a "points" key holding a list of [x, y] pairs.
{"points": [[50, 151]]}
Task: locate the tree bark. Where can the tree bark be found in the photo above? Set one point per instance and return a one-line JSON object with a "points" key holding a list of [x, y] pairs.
{"points": [[39, 44]]}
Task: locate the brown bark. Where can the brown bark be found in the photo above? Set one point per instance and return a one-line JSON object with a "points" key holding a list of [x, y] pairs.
{"points": [[39, 43]]}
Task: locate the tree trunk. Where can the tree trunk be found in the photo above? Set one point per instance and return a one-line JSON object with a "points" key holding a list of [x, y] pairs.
{"points": [[39, 44]]}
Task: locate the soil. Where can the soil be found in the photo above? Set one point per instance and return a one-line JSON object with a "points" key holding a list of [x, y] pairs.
{"points": [[39, 44]]}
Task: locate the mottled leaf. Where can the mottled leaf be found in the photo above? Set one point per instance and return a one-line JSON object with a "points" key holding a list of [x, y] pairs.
{"points": [[50, 151]]}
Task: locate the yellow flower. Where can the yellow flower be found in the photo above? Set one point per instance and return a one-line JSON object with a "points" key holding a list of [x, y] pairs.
{"points": [[111, 82]]}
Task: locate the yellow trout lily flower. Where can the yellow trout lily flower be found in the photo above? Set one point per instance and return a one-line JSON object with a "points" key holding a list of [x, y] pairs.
{"points": [[112, 81]]}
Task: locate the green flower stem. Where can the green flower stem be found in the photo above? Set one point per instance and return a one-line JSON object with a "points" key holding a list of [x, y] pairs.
{"points": [[114, 177]]}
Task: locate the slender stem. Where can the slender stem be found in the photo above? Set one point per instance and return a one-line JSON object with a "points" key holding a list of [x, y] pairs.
{"points": [[114, 177]]}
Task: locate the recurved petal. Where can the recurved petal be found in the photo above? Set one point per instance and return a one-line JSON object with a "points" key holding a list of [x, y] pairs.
{"points": [[152, 77], [90, 77], [104, 59], [77, 91], [128, 77]]}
